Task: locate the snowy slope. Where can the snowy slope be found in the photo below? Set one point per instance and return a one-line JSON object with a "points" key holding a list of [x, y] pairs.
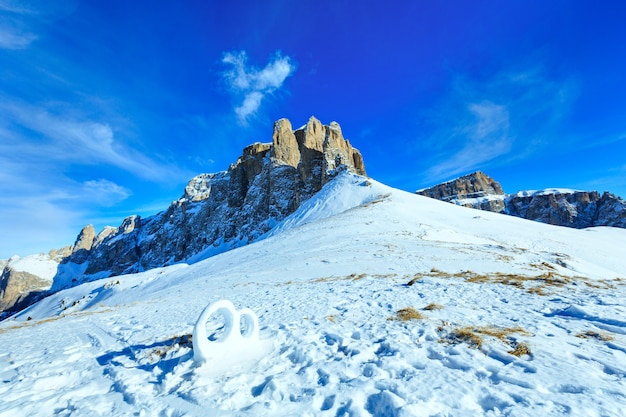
{"points": [[327, 287]]}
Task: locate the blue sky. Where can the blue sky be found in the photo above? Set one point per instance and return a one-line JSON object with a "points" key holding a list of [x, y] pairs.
{"points": [[108, 108]]}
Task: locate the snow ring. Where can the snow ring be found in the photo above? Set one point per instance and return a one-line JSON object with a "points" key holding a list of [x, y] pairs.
{"points": [[232, 340]]}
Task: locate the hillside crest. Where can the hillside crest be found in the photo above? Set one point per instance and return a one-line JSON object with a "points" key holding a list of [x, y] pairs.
{"points": [[217, 212]]}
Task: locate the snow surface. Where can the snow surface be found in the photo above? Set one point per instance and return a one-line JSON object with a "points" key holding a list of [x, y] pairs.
{"points": [[40, 265], [476, 201], [547, 191], [327, 287]]}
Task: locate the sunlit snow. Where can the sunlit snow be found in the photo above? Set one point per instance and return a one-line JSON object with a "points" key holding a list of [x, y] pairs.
{"points": [[510, 317]]}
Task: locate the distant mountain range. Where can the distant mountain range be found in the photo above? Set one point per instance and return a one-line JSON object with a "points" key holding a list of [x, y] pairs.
{"points": [[247, 202], [557, 206]]}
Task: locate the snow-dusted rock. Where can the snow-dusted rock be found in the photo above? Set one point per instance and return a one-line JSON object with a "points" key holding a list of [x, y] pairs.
{"points": [[83, 243], [21, 279], [562, 207], [579, 209]]}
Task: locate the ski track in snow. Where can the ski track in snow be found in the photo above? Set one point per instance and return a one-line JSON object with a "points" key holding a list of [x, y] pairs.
{"points": [[326, 295]]}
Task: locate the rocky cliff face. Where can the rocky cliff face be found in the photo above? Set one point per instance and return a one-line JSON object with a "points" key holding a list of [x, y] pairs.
{"points": [[218, 211], [23, 279], [475, 190], [18, 288], [578, 209]]}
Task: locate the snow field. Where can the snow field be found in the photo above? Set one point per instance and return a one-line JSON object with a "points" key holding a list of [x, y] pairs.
{"points": [[327, 295]]}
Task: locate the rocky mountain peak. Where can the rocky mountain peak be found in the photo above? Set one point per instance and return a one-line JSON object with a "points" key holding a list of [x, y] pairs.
{"points": [[476, 184], [476, 190], [217, 211], [85, 238], [315, 146], [222, 210], [285, 148], [84, 242]]}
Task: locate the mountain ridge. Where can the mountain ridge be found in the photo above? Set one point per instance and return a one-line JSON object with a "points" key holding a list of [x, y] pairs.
{"points": [[217, 212], [268, 182], [561, 207]]}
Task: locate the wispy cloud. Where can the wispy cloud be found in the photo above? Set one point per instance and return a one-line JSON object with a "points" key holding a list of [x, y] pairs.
{"points": [[41, 150], [485, 137], [490, 122], [105, 192], [251, 85], [43, 209], [10, 39], [21, 21], [14, 30], [64, 139]]}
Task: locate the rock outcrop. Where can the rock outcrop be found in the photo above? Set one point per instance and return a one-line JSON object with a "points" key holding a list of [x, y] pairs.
{"points": [[475, 190], [223, 210], [578, 209], [562, 207], [219, 211], [23, 279]]}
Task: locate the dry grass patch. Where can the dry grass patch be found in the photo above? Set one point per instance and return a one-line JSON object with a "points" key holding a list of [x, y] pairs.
{"points": [[520, 350], [538, 290], [590, 334], [541, 284], [415, 278], [466, 335], [603, 284], [406, 314], [433, 306], [501, 334], [356, 277], [533, 284], [473, 336], [353, 277], [30, 322]]}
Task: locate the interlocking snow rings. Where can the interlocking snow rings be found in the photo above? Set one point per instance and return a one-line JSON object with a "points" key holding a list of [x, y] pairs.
{"points": [[240, 333]]}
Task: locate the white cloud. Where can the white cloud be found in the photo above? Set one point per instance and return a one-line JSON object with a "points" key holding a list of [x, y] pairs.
{"points": [[32, 223], [250, 84], [17, 6], [63, 139], [250, 105], [15, 24], [14, 40], [491, 120], [44, 202], [483, 138], [487, 123], [105, 192], [274, 74]]}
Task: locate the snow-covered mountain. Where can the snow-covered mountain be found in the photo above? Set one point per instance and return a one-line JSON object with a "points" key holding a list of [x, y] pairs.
{"points": [[216, 213], [558, 206], [371, 302]]}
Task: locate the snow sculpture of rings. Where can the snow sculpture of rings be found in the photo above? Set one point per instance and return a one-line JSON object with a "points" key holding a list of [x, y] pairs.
{"points": [[237, 336]]}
